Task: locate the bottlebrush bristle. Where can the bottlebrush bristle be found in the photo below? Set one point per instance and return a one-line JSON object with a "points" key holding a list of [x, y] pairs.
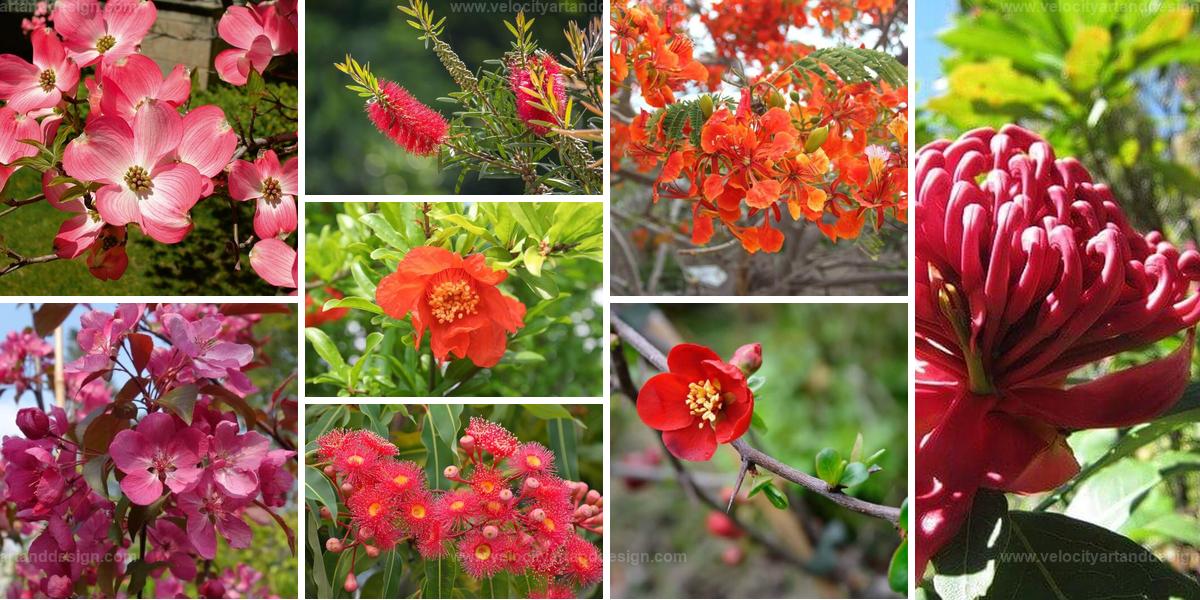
{"points": [[413, 126], [519, 78]]}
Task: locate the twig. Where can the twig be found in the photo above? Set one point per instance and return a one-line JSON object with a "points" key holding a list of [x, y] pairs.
{"points": [[20, 261], [752, 455]]}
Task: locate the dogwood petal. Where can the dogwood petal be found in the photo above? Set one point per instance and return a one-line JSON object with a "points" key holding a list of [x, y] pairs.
{"points": [[245, 180], [80, 22], [208, 142], [274, 218], [157, 130], [103, 153], [239, 26], [129, 20], [275, 261], [231, 65], [117, 205]]}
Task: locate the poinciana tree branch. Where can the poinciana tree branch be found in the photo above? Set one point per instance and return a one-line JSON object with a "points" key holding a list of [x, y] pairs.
{"points": [[752, 456]]}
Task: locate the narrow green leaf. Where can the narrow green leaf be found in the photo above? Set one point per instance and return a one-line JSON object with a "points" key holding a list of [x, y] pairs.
{"points": [[562, 443]]}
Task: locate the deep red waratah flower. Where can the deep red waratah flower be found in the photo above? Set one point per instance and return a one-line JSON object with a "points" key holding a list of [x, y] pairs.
{"points": [[456, 299], [531, 97], [1027, 270], [703, 401], [413, 126]]}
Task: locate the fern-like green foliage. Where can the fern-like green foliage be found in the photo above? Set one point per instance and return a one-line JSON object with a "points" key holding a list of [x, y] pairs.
{"points": [[852, 65], [674, 117]]}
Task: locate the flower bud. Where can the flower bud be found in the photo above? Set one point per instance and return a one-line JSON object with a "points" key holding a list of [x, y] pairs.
{"points": [[451, 472], [490, 532], [720, 525], [325, 514], [532, 483], [351, 584], [706, 105], [815, 138], [748, 358], [467, 442], [775, 100], [593, 497], [732, 555], [33, 422], [346, 487], [333, 545], [537, 514], [372, 551], [506, 495], [330, 471]]}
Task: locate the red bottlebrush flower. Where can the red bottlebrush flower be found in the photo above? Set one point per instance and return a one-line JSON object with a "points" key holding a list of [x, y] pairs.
{"points": [[1027, 271], [400, 477], [356, 459], [375, 441], [583, 563], [492, 438], [416, 509], [487, 481], [529, 94], [493, 509], [456, 299], [413, 126], [703, 401], [481, 557], [551, 492], [554, 590], [532, 458], [314, 312]]}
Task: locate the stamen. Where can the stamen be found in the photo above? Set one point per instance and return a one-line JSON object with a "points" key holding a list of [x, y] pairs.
{"points": [[704, 399], [452, 300], [105, 44], [271, 190], [138, 180], [46, 80]]}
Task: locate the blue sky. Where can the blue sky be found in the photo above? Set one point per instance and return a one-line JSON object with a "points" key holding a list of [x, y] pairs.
{"points": [[932, 17]]}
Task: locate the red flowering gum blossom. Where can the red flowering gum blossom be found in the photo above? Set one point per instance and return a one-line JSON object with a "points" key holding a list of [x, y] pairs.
{"points": [[456, 299], [703, 401], [521, 82], [1026, 271], [413, 126]]}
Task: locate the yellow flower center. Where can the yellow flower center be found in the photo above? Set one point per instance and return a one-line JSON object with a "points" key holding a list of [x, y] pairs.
{"points": [[548, 523], [533, 461], [400, 480], [418, 512], [354, 460], [374, 509], [105, 44], [457, 505], [271, 191], [487, 487], [483, 552], [452, 300], [46, 80], [138, 180], [704, 400], [583, 562]]}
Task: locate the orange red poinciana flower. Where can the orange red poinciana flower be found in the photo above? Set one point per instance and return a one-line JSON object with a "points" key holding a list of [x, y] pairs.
{"points": [[456, 299], [835, 154]]}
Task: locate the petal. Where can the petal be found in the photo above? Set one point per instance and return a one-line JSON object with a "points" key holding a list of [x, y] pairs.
{"points": [[686, 359], [15, 74], [129, 82], [763, 194], [691, 443], [80, 22], [208, 142], [229, 66], [290, 183], [1119, 399], [129, 20], [117, 205], [275, 261], [239, 26], [33, 98], [177, 86], [103, 153], [48, 51], [129, 451], [203, 535], [1027, 456], [235, 531], [662, 403], [183, 478], [76, 235], [157, 130], [476, 266], [399, 293], [164, 212], [260, 53], [427, 260], [486, 345], [236, 482], [505, 311], [273, 219], [245, 181], [142, 487]]}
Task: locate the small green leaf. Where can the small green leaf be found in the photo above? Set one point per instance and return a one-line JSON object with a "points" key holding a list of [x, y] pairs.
{"points": [[829, 465], [325, 348], [854, 474], [777, 498], [181, 400], [898, 569]]}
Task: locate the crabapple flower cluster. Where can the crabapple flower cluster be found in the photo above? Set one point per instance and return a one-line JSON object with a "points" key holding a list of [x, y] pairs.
{"points": [[143, 155], [507, 512], [188, 469]]}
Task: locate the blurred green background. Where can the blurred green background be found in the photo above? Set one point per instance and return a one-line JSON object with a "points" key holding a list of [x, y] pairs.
{"points": [[345, 153], [831, 371]]}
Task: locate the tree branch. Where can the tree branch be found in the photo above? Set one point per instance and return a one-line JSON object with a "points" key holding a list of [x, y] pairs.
{"points": [[652, 355]]}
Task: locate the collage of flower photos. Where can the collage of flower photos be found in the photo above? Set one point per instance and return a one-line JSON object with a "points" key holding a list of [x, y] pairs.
{"points": [[610, 299]]}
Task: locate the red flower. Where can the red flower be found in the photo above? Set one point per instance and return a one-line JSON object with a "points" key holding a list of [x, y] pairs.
{"points": [[492, 438], [414, 126], [530, 94], [456, 299], [1028, 271], [584, 565], [703, 401], [315, 313], [481, 557], [532, 458]]}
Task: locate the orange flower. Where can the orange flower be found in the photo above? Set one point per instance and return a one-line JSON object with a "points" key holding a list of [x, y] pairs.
{"points": [[456, 299]]}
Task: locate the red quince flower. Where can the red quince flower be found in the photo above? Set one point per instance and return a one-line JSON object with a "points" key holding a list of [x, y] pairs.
{"points": [[703, 401], [456, 299], [1027, 270]]}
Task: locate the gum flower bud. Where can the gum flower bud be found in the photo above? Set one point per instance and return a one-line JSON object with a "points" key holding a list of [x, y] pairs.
{"points": [[748, 358], [325, 514], [593, 497], [351, 584], [506, 495], [333, 545], [372, 551], [490, 532], [532, 483], [451, 472], [467, 442], [537, 514], [33, 422], [1028, 270], [330, 471]]}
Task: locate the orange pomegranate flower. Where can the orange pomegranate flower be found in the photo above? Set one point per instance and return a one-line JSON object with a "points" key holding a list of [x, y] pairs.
{"points": [[456, 299]]}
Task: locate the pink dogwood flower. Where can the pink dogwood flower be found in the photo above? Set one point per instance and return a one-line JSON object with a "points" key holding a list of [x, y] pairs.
{"points": [[234, 459], [42, 84], [274, 186], [256, 34], [78, 233], [14, 127], [92, 34], [143, 184], [155, 454], [275, 261], [200, 342], [210, 511], [131, 82]]}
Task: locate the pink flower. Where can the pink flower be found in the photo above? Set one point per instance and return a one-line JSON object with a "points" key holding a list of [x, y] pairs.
{"points": [[135, 80], [143, 184], [32, 474], [15, 127], [172, 546], [101, 334], [106, 258], [274, 186], [199, 341], [208, 143], [81, 231], [274, 477], [157, 452], [112, 34], [235, 459], [256, 35], [209, 511], [28, 87], [275, 261]]}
